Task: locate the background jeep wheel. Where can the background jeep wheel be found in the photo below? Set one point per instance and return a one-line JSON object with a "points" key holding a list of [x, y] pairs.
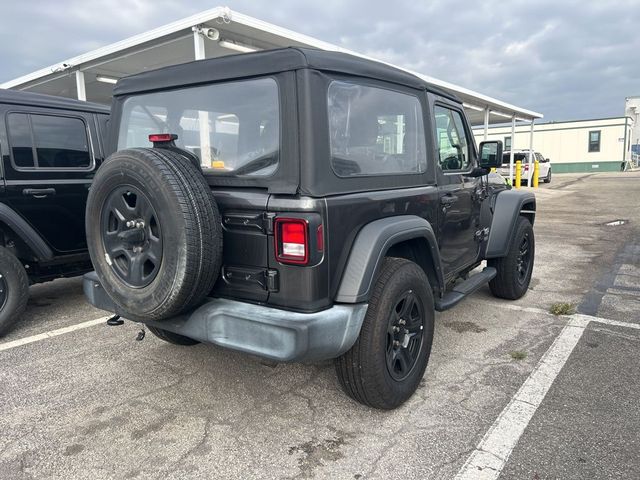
{"points": [[14, 290], [547, 179], [385, 365], [154, 233], [171, 337], [515, 269]]}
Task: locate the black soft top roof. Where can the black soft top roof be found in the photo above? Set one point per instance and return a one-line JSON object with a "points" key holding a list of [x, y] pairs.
{"points": [[15, 97], [264, 63]]}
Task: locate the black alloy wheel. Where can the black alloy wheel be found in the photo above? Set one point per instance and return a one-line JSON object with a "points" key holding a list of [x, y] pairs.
{"points": [[132, 236], [523, 260], [405, 335]]}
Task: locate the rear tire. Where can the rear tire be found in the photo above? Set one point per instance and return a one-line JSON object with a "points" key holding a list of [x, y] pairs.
{"points": [[171, 337], [377, 371], [170, 258], [14, 290], [515, 269]]}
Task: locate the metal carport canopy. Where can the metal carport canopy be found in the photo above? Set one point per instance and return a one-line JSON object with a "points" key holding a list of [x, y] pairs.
{"points": [[90, 76]]}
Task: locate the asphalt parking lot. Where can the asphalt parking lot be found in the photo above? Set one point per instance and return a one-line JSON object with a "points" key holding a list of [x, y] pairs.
{"points": [[511, 391]]}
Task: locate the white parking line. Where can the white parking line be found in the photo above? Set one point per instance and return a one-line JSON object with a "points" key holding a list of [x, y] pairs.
{"points": [[52, 333], [490, 456]]}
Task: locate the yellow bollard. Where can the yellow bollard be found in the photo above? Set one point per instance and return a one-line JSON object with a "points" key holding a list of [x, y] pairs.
{"points": [[536, 173], [493, 169], [518, 179]]}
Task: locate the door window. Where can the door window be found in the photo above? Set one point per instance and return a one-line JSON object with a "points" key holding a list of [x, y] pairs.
{"points": [[451, 139], [48, 142]]}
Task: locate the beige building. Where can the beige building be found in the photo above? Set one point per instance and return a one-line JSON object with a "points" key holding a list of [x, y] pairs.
{"points": [[577, 146]]}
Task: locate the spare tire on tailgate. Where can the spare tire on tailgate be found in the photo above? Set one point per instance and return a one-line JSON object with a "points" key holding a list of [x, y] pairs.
{"points": [[154, 233]]}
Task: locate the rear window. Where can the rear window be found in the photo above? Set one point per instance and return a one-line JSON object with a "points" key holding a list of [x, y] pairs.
{"points": [[233, 128], [374, 131]]}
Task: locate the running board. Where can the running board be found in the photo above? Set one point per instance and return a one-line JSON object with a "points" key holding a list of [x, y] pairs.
{"points": [[464, 289]]}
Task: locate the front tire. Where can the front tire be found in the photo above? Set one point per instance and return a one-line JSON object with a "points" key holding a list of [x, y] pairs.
{"points": [[385, 365], [515, 269], [14, 290], [548, 177]]}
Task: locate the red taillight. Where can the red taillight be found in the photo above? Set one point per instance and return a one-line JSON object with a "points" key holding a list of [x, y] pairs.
{"points": [[292, 240], [162, 137]]}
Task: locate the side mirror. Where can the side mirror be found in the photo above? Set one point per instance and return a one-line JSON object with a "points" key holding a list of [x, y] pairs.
{"points": [[547, 160], [491, 154]]}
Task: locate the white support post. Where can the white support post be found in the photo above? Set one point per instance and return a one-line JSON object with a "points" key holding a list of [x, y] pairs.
{"points": [[513, 144], [530, 154], [206, 158], [486, 123], [81, 91]]}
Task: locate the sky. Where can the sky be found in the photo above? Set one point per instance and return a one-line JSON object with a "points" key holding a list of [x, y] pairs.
{"points": [[568, 59]]}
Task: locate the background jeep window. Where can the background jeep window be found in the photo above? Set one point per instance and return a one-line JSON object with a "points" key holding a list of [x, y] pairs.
{"points": [[233, 128], [451, 139], [60, 142], [374, 131], [20, 139]]}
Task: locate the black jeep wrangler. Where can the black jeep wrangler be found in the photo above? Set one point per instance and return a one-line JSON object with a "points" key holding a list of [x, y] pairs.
{"points": [[50, 149], [301, 205]]}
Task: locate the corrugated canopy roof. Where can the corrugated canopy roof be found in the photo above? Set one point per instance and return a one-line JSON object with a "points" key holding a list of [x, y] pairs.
{"points": [[174, 43]]}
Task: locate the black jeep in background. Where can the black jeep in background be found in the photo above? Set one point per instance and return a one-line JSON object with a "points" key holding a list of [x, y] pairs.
{"points": [[301, 205], [50, 149]]}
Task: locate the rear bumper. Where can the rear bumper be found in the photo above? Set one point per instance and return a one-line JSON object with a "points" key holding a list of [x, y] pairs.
{"points": [[260, 330]]}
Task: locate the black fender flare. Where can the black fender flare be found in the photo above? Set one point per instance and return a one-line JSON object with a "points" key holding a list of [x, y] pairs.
{"points": [[26, 232], [509, 205], [370, 247]]}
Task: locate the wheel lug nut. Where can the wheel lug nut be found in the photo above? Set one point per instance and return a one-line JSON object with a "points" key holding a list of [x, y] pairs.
{"points": [[130, 223], [396, 343], [402, 321], [396, 329]]}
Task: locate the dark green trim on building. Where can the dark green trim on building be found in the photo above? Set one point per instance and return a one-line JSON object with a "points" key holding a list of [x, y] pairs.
{"points": [[579, 167]]}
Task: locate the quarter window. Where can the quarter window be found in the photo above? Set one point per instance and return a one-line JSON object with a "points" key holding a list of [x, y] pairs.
{"points": [[48, 142], [21, 141], [594, 141], [453, 148], [374, 131], [507, 143]]}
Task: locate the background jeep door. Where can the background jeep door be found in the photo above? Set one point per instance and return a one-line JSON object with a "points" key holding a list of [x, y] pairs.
{"points": [[48, 171]]}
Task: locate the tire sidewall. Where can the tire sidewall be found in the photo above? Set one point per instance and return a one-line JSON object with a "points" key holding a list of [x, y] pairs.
{"points": [[17, 290]]}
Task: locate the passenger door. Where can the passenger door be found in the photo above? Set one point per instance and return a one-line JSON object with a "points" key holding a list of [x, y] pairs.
{"points": [[48, 172], [459, 193]]}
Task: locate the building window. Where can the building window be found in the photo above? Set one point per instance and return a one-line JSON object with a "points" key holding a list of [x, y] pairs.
{"points": [[594, 141], [507, 143]]}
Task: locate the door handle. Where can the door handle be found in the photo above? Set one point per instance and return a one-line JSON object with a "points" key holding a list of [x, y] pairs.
{"points": [[39, 192], [448, 200]]}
